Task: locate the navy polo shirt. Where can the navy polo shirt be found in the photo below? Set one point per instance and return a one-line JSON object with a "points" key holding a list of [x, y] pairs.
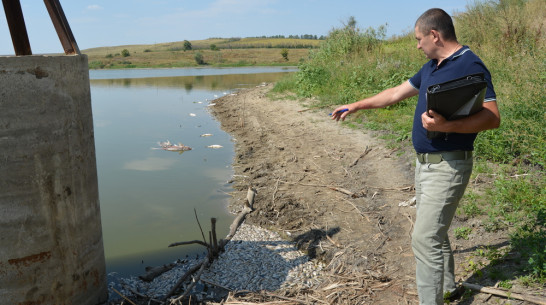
{"points": [[461, 63]]}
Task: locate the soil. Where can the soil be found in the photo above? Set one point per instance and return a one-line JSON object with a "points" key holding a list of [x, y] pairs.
{"points": [[335, 191]]}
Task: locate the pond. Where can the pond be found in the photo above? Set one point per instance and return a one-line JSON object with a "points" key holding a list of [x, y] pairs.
{"points": [[148, 195]]}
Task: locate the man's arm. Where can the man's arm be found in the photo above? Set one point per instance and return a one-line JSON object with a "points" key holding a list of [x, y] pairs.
{"points": [[380, 100], [487, 118]]}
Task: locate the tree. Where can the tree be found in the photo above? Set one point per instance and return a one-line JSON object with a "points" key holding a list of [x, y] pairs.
{"points": [[213, 47], [284, 53], [187, 45], [125, 53]]}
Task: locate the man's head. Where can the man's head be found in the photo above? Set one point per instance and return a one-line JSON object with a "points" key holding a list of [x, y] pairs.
{"points": [[434, 31], [438, 20]]}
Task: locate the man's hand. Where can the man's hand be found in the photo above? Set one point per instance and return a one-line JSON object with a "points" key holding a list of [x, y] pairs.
{"points": [[342, 112], [433, 121]]}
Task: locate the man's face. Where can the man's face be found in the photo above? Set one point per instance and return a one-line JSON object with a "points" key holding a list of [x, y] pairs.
{"points": [[425, 42]]}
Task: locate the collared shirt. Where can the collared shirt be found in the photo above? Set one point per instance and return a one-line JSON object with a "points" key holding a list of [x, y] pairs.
{"points": [[461, 63]]}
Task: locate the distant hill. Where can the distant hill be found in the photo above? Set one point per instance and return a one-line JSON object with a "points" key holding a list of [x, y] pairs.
{"points": [[221, 43], [215, 51]]}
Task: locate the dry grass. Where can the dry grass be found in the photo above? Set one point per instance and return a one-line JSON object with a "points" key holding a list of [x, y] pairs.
{"points": [[232, 52]]}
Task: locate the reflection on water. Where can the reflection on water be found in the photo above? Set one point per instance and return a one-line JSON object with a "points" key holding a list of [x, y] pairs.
{"points": [[207, 82], [148, 196]]}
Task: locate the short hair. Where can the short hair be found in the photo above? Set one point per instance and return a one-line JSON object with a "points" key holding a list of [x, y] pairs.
{"points": [[437, 19]]}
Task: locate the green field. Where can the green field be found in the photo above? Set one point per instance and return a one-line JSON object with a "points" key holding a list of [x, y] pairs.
{"points": [[215, 51]]}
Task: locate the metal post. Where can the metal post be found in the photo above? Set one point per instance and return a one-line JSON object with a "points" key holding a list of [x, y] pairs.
{"points": [[62, 27], [17, 28]]}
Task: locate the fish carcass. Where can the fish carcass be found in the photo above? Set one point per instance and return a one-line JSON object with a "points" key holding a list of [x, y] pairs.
{"points": [[173, 147]]}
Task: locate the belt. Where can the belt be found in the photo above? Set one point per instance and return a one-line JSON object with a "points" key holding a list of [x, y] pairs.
{"points": [[440, 156]]}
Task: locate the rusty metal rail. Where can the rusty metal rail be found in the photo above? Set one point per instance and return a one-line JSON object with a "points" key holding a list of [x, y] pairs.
{"points": [[18, 31]]}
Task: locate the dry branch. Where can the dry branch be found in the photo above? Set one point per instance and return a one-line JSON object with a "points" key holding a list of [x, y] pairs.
{"points": [[189, 242], [213, 248], [335, 188], [152, 273], [186, 275], [510, 295], [124, 297], [366, 151]]}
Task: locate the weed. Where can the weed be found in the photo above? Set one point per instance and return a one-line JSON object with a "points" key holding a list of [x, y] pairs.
{"points": [[469, 204], [506, 284], [462, 232]]}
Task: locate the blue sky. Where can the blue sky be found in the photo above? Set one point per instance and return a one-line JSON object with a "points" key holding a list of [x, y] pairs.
{"points": [[97, 23]]}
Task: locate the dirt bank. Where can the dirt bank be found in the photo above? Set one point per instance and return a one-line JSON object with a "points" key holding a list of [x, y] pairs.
{"points": [[335, 191], [305, 168]]}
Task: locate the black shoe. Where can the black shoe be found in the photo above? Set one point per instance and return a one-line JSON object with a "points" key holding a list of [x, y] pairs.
{"points": [[455, 294]]}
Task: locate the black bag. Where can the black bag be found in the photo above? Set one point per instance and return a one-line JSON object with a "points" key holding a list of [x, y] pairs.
{"points": [[456, 99]]}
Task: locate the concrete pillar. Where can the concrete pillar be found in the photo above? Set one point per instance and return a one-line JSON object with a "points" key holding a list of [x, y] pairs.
{"points": [[51, 248]]}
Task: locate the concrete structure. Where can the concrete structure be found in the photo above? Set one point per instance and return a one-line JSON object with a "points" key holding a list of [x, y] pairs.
{"points": [[51, 247]]}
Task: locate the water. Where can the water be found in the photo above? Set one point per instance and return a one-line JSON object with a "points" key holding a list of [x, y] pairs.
{"points": [[148, 195]]}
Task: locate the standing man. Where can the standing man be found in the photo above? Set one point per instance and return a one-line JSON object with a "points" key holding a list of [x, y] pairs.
{"points": [[443, 165]]}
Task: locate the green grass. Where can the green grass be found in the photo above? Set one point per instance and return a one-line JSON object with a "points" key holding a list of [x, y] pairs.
{"points": [[352, 64]]}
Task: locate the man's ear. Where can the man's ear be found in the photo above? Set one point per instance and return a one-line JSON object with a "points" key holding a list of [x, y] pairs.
{"points": [[435, 35]]}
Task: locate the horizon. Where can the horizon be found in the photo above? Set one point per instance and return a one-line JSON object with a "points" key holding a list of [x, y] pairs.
{"points": [[102, 23]]}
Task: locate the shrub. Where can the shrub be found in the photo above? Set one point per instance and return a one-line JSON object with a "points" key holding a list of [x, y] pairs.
{"points": [[199, 58], [125, 53], [284, 54]]}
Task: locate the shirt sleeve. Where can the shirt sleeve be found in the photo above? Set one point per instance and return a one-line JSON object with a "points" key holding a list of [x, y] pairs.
{"points": [[479, 66], [415, 81]]}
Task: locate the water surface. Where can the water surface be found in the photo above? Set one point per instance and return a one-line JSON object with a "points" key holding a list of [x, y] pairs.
{"points": [[148, 195]]}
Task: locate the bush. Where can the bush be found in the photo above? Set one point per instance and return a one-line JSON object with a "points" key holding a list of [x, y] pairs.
{"points": [[125, 53], [284, 54], [199, 58]]}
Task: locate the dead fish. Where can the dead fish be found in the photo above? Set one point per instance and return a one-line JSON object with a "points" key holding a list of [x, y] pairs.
{"points": [[162, 144], [178, 147], [206, 135], [192, 114], [173, 147], [215, 146]]}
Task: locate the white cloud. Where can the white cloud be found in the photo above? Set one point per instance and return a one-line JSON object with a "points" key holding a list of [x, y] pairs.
{"points": [[94, 7]]}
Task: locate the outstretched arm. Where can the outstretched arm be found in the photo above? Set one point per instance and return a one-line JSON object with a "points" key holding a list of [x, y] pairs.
{"points": [[380, 100]]}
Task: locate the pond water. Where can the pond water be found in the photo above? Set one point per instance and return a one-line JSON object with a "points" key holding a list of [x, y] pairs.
{"points": [[147, 195]]}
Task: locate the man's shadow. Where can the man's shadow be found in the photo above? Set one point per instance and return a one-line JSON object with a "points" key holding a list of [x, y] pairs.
{"points": [[309, 241]]}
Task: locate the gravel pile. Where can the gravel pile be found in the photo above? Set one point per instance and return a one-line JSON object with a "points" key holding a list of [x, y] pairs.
{"points": [[255, 259]]}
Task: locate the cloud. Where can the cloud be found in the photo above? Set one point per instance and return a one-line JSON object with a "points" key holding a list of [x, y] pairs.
{"points": [[149, 164], [94, 7]]}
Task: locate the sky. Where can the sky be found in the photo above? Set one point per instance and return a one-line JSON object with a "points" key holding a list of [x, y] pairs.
{"points": [[100, 23]]}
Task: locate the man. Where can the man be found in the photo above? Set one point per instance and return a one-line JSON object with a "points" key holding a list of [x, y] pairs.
{"points": [[443, 165]]}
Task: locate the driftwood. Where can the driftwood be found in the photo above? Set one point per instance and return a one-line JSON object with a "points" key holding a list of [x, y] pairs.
{"points": [[153, 272], [214, 247], [511, 295]]}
